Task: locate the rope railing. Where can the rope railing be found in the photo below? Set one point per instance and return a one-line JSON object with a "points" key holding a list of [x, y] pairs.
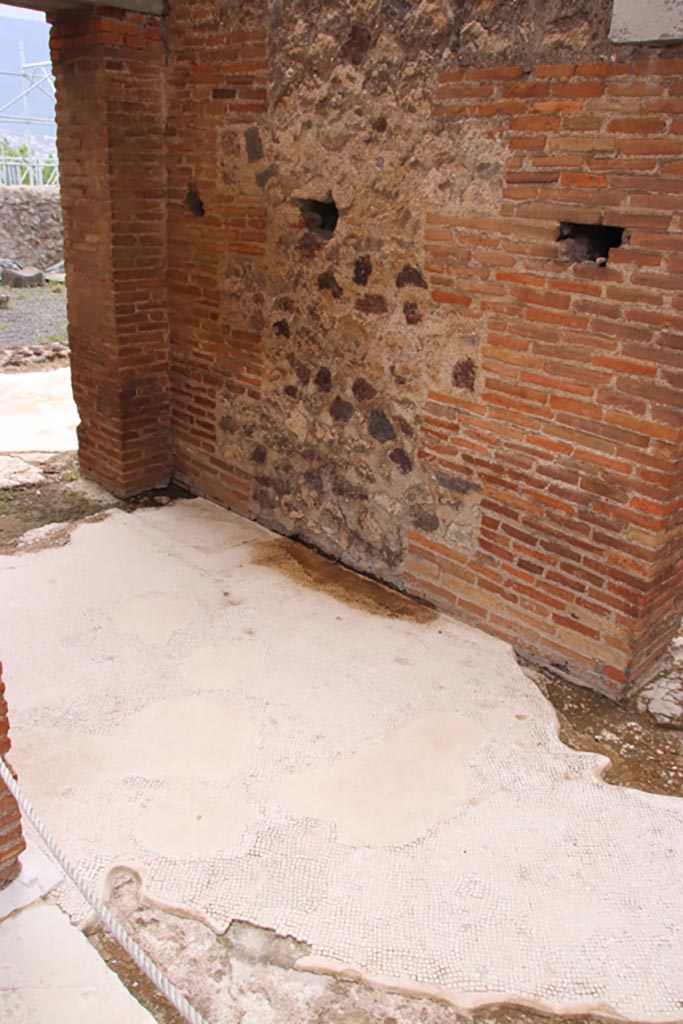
{"points": [[144, 962]]}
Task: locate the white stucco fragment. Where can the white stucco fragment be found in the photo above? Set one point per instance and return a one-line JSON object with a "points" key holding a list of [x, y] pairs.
{"points": [[634, 21]]}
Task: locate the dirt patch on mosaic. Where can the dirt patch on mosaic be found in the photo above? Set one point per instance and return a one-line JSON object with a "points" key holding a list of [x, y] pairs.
{"points": [[308, 567]]}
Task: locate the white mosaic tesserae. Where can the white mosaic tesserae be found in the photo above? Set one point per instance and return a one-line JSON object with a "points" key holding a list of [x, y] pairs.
{"points": [[380, 782]]}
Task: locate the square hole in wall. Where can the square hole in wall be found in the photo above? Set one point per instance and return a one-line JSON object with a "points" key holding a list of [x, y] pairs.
{"points": [[193, 201], [319, 217], [589, 243]]}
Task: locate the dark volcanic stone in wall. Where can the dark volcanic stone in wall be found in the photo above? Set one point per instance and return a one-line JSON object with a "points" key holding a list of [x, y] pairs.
{"points": [[252, 139], [411, 312], [328, 282], [375, 304], [402, 459], [362, 269], [340, 410], [363, 390], [410, 276], [405, 426], [357, 45], [426, 521], [464, 374], [379, 426], [302, 372], [458, 484]]}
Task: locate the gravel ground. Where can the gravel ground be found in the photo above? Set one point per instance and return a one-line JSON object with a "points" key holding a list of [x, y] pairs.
{"points": [[35, 316]]}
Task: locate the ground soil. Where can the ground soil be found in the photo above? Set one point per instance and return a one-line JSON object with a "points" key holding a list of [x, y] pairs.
{"points": [[34, 316], [643, 754], [51, 501], [137, 983]]}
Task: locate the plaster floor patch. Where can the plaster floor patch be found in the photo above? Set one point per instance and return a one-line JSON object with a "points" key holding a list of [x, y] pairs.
{"points": [[18, 472], [193, 824], [182, 738], [389, 790]]}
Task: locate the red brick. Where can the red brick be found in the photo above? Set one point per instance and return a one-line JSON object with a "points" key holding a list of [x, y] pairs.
{"points": [[579, 180], [571, 430], [494, 74]]}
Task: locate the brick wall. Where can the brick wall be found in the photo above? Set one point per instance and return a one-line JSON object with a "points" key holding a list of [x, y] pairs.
{"points": [[574, 429], [216, 91], [437, 394], [11, 838], [561, 432], [109, 75]]}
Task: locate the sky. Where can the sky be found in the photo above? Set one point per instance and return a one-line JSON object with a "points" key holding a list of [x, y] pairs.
{"points": [[20, 12], [19, 26]]}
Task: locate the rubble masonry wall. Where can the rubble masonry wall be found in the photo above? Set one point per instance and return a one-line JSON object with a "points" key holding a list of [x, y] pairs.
{"points": [[429, 390]]}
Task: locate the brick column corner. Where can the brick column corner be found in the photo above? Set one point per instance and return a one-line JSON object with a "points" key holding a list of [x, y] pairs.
{"points": [[109, 76], [12, 842]]}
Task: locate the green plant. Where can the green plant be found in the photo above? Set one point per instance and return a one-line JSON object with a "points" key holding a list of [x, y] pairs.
{"points": [[19, 155], [74, 471]]}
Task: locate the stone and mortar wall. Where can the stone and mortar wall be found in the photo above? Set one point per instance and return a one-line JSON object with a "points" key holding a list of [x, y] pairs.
{"points": [[435, 394], [31, 225], [11, 838]]}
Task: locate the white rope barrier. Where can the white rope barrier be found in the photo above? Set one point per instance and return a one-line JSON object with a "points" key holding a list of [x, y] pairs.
{"points": [[166, 987]]}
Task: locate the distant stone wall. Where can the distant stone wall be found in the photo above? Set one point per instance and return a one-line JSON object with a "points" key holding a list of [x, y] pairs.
{"points": [[31, 224]]}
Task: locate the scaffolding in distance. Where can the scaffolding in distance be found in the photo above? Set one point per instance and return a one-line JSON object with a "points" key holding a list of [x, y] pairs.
{"points": [[23, 160]]}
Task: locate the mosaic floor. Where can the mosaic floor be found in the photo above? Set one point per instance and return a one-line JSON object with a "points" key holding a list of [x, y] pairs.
{"points": [[269, 738]]}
